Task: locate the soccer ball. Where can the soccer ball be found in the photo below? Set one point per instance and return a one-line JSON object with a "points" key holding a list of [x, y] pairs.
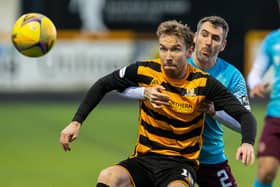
{"points": [[33, 35]]}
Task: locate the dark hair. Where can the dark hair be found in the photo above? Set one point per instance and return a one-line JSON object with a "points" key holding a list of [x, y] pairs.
{"points": [[173, 27], [217, 22]]}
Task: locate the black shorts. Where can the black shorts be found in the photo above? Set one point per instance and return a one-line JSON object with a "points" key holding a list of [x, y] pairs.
{"points": [[155, 170], [215, 175]]}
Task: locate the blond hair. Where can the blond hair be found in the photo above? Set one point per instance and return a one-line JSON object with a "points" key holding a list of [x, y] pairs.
{"points": [[173, 27]]}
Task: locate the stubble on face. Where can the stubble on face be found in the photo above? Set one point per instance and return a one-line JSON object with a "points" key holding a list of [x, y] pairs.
{"points": [[208, 44]]}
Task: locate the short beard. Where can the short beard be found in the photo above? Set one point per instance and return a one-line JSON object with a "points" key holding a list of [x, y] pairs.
{"points": [[202, 59]]}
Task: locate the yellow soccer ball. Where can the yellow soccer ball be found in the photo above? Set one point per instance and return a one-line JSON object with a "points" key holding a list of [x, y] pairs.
{"points": [[33, 34]]}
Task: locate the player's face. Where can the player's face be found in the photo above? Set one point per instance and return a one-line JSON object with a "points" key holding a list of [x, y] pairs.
{"points": [[209, 43], [173, 55]]}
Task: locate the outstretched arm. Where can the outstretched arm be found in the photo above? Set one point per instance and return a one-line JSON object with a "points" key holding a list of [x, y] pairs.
{"points": [[226, 101], [261, 65], [93, 97], [117, 80]]}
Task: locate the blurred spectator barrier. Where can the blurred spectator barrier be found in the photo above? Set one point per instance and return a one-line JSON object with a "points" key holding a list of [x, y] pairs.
{"points": [[76, 61]]}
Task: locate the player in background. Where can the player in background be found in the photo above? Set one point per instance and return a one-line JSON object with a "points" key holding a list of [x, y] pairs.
{"points": [[170, 137], [209, 41], [268, 147]]}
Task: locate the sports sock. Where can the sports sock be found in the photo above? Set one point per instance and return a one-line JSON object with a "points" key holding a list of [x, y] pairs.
{"points": [[101, 185], [259, 184]]}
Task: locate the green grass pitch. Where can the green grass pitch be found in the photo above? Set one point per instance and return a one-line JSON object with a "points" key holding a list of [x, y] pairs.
{"points": [[31, 155]]}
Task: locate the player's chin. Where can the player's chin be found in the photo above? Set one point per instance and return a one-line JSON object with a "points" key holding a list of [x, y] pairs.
{"points": [[204, 56], [171, 73], [169, 70]]}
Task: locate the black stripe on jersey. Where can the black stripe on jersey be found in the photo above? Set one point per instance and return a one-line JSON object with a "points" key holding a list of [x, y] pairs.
{"points": [[156, 146], [182, 91], [144, 79], [150, 64], [173, 122], [173, 89], [197, 75], [200, 91], [169, 134]]}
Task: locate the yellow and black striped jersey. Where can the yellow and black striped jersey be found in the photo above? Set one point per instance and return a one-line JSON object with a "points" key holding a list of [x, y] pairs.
{"points": [[174, 130]]}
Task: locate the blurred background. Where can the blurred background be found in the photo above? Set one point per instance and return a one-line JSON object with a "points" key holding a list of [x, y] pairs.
{"points": [[38, 96], [97, 36]]}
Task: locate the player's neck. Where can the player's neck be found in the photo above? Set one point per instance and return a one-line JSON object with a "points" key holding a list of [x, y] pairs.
{"points": [[178, 75], [204, 65]]}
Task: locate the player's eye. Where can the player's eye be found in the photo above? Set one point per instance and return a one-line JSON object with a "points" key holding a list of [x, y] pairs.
{"points": [[176, 49], [162, 48], [204, 33], [216, 38]]}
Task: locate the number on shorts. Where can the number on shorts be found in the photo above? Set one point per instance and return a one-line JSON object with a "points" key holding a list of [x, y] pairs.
{"points": [[223, 176]]}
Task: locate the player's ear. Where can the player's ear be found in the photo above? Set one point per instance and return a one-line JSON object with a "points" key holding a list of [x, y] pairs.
{"points": [[189, 52], [224, 43], [194, 37]]}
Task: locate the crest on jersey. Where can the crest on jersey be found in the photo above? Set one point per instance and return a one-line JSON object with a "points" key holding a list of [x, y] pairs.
{"points": [[190, 92]]}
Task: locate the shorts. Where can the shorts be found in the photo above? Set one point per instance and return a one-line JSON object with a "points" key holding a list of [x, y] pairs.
{"points": [[270, 138], [215, 175], [155, 170]]}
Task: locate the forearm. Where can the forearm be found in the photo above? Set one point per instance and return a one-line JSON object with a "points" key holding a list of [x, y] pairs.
{"points": [[93, 97], [248, 128], [225, 101], [245, 118], [260, 66], [228, 121], [133, 93]]}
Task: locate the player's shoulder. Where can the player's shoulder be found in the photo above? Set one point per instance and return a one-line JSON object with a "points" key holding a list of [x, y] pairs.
{"points": [[227, 66], [150, 63], [194, 69], [153, 60], [231, 74], [273, 36]]}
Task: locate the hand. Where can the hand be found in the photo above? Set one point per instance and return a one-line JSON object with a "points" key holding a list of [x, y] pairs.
{"points": [[69, 134], [259, 90], [208, 107], [154, 95], [246, 154]]}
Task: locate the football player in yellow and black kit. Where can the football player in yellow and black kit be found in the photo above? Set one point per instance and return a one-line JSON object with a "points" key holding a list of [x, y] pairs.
{"points": [[169, 137]]}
